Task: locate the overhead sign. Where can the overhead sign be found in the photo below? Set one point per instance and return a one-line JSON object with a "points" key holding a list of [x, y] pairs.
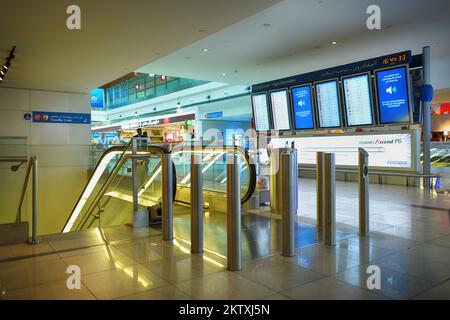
{"points": [[214, 115], [61, 117], [337, 72], [97, 98]]}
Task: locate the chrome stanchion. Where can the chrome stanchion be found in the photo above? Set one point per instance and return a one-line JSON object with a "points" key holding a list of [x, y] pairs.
{"points": [[319, 190], [363, 184], [287, 198], [329, 202], [196, 200], [234, 228], [167, 197], [34, 237]]}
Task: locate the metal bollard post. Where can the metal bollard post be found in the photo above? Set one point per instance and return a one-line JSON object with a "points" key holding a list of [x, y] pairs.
{"points": [[34, 238], [287, 199], [329, 202], [234, 228], [196, 201], [167, 197], [363, 183], [319, 190], [134, 177]]}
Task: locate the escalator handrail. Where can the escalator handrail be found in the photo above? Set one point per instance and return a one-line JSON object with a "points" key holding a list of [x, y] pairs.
{"points": [[236, 149], [149, 148]]}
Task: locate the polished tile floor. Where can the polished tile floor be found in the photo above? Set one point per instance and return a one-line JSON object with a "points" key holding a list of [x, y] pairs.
{"points": [[409, 242]]}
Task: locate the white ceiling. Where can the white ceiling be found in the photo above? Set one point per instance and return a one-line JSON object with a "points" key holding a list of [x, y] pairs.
{"points": [[116, 37], [299, 40]]}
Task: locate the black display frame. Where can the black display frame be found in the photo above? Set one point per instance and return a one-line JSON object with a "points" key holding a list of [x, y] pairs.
{"points": [[269, 113], [341, 119], [371, 97], [288, 109], [408, 88], [313, 108]]}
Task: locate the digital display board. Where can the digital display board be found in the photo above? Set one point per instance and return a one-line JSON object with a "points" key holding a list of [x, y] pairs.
{"points": [[261, 112], [393, 96], [327, 98], [358, 101], [280, 110], [302, 107]]}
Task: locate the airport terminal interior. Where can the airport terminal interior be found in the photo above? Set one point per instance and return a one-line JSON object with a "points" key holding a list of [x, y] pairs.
{"points": [[225, 150]]}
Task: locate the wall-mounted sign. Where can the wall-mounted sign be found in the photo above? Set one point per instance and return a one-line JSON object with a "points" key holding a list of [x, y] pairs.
{"points": [[214, 115], [61, 117], [27, 116]]}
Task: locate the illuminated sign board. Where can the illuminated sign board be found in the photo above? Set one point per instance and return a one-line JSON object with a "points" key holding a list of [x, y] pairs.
{"points": [[385, 150], [279, 102], [357, 100], [328, 106], [393, 95], [302, 107], [261, 112]]}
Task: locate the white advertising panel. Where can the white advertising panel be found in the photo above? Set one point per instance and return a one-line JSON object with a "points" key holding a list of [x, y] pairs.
{"points": [[385, 150]]}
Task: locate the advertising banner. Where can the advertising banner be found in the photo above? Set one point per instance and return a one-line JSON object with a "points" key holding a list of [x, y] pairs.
{"points": [[385, 150]]}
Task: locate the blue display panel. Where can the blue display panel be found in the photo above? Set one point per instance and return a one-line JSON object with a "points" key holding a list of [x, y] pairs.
{"points": [[280, 110], [261, 112], [302, 107], [328, 107], [393, 95], [358, 100]]}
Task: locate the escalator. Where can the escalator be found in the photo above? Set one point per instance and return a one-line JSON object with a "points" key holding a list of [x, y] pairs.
{"points": [[107, 199]]}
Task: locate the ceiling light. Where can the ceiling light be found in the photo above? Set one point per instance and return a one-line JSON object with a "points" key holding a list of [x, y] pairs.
{"points": [[224, 74], [334, 43], [1, 71], [205, 50]]}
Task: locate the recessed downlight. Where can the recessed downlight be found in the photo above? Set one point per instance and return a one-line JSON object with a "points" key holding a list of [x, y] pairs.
{"points": [[205, 50], [334, 43]]}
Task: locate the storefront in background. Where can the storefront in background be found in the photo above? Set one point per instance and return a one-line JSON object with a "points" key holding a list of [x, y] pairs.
{"points": [[168, 128]]}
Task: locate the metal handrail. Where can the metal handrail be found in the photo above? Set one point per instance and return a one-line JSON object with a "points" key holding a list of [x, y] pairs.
{"points": [[32, 168]]}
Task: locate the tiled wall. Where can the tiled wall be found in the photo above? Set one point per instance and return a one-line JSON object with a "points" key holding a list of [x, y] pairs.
{"points": [[62, 151]]}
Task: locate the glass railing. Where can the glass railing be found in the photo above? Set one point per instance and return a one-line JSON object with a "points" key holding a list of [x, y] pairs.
{"points": [[108, 197], [150, 89], [13, 167]]}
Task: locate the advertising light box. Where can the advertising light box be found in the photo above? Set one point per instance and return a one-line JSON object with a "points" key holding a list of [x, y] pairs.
{"points": [[328, 107], [302, 107], [280, 110], [393, 95], [261, 112], [385, 150], [357, 100]]}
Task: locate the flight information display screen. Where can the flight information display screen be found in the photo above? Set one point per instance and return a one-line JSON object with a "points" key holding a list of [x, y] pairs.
{"points": [[327, 97], [261, 112], [303, 107], [280, 110], [358, 102], [393, 96]]}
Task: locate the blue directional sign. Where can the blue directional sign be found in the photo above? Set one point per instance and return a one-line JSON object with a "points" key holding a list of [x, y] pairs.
{"points": [[61, 117]]}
